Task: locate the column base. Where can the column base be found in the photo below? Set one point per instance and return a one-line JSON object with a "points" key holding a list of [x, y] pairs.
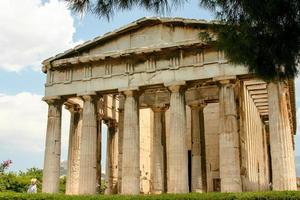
{"points": [[157, 192], [198, 190], [231, 185]]}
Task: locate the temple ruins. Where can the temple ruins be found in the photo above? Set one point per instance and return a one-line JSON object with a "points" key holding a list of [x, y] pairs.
{"points": [[180, 117]]}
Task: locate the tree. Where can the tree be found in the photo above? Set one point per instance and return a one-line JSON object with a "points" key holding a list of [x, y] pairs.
{"points": [[263, 35], [107, 8]]}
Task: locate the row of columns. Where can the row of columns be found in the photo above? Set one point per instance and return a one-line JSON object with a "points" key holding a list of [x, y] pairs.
{"points": [[177, 157]]}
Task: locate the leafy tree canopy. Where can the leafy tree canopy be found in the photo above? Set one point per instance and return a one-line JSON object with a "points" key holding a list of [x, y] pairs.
{"points": [[263, 35], [107, 8]]}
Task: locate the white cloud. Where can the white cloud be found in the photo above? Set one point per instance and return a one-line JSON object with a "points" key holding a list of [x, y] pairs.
{"points": [[23, 122], [31, 31]]}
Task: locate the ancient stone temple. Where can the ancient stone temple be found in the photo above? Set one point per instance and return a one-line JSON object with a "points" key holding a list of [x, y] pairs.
{"points": [[180, 117]]}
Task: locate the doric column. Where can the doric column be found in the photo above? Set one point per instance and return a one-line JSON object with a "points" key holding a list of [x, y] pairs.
{"points": [[131, 145], [88, 148], [99, 143], [109, 157], [120, 140], [228, 139], [157, 151], [282, 154], [53, 147], [197, 132], [177, 150], [73, 151]]}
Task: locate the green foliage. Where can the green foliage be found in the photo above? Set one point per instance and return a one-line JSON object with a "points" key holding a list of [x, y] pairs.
{"points": [[13, 182], [19, 182], [102, 187], [261, 34], [104, 8], [191, 196], [32, 173], [62, 184]]}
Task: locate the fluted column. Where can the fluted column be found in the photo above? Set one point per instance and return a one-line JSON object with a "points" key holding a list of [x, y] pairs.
{"points": [[88, 148], [109, 157], [177, 150], [73, 151], [282, 154], [131, 145], [197, 132], [120, 140], [99, 143], [157, 152], [228, 139], [53, 147]]}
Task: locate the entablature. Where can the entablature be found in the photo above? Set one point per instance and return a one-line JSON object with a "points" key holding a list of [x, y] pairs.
{"points": [[187, 64]]}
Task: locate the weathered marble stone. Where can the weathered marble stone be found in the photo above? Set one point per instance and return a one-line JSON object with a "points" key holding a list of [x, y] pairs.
{"points": [[88, 148], [229, 140], [197, 130], [131, 145], [120, 140], [282, 153], [53, 147], [74, 149], [177, 151], [157, 152]]}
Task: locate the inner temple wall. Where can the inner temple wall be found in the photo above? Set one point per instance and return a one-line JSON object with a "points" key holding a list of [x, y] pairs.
{"points": [[211, 126], [146, 129]]}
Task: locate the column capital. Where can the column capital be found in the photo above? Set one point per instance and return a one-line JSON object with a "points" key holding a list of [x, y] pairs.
{"points": [[225, 80], [121, 98], [88, 96], [130, 93], [201, 104], [55, 100], [72, 107], [159, 108], [111, 123], [175, 86], [99, 116], [282, 86]]}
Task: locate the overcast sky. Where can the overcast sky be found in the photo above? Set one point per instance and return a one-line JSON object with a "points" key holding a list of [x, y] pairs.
{"points": [[31, 31]]}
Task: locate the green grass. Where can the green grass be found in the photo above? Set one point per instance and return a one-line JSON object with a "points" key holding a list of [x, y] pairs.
{"points": [[191, 196]]}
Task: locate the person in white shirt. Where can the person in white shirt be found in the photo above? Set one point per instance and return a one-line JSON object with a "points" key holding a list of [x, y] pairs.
{"points": [[32, 187]]}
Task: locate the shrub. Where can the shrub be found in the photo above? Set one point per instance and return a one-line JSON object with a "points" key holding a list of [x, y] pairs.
{"points": [[191, 196], [19, 182], [62, 184]]}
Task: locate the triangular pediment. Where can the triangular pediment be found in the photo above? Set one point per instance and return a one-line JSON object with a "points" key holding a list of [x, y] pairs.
{"points": [[144, 33]]}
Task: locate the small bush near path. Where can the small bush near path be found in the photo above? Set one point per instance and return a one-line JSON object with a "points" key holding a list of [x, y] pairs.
{"points": [[191, 196]]}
